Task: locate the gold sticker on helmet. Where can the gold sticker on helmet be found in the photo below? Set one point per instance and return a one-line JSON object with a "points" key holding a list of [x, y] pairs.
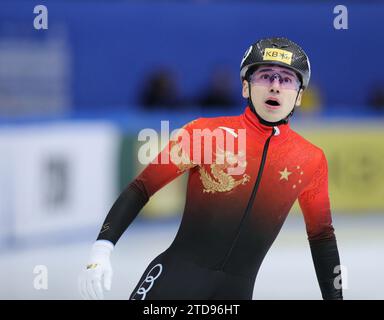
{"points": [[278, 55]]}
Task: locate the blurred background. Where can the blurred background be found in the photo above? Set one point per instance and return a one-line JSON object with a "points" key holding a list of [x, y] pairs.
{"points": [[74, 97]]}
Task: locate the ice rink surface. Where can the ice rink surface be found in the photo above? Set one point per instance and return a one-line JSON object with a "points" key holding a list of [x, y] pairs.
{"points": [[286, 273]]}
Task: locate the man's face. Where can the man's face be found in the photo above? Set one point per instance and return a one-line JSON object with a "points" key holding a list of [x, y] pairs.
{"points": [[274, 90]]}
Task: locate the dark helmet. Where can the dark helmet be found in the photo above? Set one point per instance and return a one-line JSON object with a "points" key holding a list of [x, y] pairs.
{"points": [[278, 51]]}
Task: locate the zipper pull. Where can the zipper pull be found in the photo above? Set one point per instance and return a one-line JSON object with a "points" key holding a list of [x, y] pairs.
{"points": [[275, 131]]}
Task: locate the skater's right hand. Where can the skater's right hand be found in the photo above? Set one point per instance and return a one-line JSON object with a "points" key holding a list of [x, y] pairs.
{"points": [[98, 270]]}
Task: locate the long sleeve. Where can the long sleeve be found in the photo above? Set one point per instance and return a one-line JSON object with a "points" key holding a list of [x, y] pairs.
{"points": [[170, 163], [315, 204]]}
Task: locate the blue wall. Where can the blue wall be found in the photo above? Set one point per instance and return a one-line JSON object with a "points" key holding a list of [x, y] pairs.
{"points": [[115, 44]]}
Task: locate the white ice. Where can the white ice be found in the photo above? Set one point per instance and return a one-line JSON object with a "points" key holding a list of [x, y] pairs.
{"points": [[286, 273]]}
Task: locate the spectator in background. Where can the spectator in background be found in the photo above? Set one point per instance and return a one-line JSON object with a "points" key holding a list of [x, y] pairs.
{"points": [[219, 92], [161, 90], [376, 98]]}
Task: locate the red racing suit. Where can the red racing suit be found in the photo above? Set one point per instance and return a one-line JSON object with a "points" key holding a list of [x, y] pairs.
{"points": [[231, 218]]}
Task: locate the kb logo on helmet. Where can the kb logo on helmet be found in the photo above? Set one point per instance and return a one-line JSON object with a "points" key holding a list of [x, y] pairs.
{"points": [[278, 55]]}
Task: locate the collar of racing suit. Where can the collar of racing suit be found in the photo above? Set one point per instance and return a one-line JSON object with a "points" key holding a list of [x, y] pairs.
{"points": [[260, 131]]}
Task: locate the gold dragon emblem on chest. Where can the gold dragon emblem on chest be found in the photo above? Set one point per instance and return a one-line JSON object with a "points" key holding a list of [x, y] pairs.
{"points": [[219, 179]]}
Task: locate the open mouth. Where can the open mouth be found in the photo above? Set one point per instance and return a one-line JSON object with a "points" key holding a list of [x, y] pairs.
{"points": [[272, 103]]}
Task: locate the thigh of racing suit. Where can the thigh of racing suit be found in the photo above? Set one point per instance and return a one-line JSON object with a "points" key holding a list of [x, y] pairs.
{"points": [[173, 278]]}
